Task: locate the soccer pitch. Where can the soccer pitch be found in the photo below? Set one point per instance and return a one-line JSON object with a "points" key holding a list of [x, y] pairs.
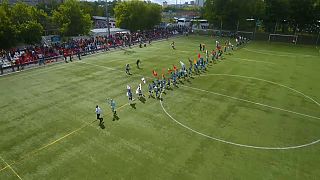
{"points": [[253, 115]]}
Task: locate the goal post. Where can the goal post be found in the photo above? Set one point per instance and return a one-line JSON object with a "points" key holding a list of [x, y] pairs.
{"points": [[246, 34], [283, 38]]}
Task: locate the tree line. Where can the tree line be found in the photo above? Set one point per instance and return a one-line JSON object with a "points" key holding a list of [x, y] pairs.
{"points": [[137, 15], [22, 23], [270, 15]]}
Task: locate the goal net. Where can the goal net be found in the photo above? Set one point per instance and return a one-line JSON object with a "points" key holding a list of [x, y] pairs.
{"points": [[247, 34], [283, 38]]}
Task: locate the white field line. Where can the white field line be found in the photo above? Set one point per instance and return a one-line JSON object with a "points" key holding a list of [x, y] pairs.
{"points": [[252, 102], [105, 67], [45, 68], [228, 142], [276, 53], [251, 60], [289, 53], [235, 98], [271, 82], [238, 144], [244, 145], [7, 165], [89, 55], [113, 69]]}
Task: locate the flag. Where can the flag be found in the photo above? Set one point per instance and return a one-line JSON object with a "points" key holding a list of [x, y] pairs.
{"points": [[182, 64], [138, 89], [163, 72], [154, 73], [174, 68], [143, 80]]}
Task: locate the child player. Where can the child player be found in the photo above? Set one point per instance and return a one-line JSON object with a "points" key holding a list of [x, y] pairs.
{"points": [[172, 45], [129, 94], [150, 90], [113, 107], [139, 91], [127, 69]]}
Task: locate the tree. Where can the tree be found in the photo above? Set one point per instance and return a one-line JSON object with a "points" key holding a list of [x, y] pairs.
{"points": [[230, 12], [94, 8], [8, 31], [317, 10], [302, 12], [276, 14], [153, 15], [71, 19], [48, 7], [31, 32], [29, 22], [137, 15], [20, 23]]}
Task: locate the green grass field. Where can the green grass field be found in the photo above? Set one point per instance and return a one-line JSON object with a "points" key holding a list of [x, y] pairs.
{"points": [[252, 115]]}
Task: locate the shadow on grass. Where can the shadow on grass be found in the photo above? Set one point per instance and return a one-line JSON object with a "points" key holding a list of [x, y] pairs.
{"points": [[133, 105], [102, 125], [142, 99], [115, 117]]}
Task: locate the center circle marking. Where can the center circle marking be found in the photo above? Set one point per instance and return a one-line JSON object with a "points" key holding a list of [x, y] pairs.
{"points": [[245, 145]]}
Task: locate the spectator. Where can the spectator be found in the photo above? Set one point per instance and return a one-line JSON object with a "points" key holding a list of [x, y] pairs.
{"points": [[1, 66], [82, 46]]}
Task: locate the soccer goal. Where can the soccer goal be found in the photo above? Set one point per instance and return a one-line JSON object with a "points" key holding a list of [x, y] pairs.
{"points": [[246, 34], [283, 38]]}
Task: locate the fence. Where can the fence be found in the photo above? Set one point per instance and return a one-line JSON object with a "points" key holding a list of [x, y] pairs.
{"points": [[307, 39]]}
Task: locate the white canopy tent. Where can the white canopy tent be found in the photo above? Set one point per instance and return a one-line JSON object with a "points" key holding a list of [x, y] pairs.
{"points": [[104, 31]]}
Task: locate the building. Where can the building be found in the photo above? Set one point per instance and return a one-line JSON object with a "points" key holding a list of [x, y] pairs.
{"points": [[104, 31], [184, 22], [192, 3], [199, 3], [165, 4], [200, 24], [101, 22]]}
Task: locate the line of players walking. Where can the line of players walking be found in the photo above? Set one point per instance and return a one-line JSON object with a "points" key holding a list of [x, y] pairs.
{"points": [[173, 75]]}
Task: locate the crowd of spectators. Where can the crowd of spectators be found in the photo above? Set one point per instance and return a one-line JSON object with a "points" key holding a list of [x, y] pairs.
{"points": [[16, 59]]}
